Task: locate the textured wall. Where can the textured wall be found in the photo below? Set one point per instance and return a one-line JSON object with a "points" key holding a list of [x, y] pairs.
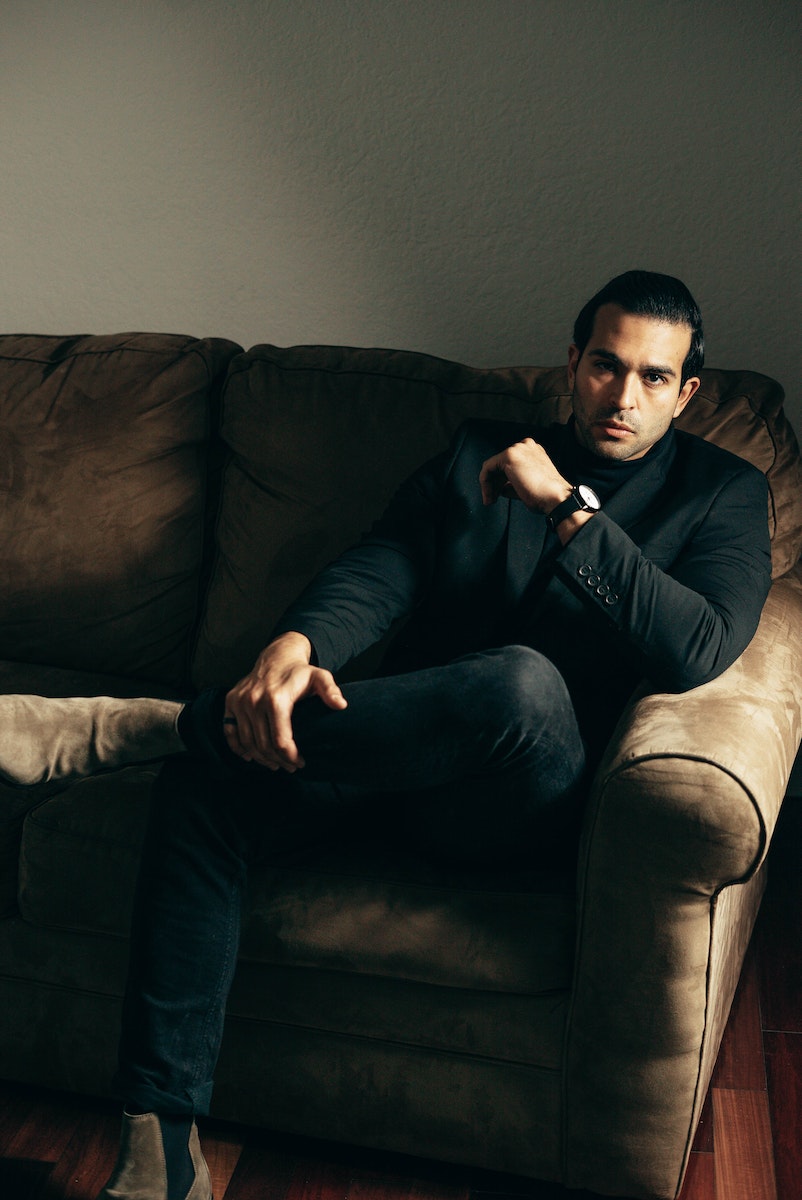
{"points": [[453, 176]]}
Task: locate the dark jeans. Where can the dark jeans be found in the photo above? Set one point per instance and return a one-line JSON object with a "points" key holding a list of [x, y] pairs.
{"points": [[480, 759]]}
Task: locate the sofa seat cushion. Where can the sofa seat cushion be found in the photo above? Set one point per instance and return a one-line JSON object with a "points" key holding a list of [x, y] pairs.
{"points": [[373, 909], [321, 436], [469, 1021], [80, 851], [102, 472], [362, 909]]}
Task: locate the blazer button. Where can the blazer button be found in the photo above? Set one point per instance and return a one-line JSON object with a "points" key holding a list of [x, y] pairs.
{"points": [[602, 590], [593, 581], [611, 599], [584, 570]]}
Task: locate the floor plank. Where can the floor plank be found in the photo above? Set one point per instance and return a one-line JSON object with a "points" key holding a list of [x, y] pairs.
{"points": [[24, 1179], [784, 1069], [45, 1138], [779, 929], [368, 1186], [317, 1180], [261, 1173], [703, 1141], [700, 1180], [89, 1158], [744, 1158], [222, 1150], [16, 1109], [740, 1059]]}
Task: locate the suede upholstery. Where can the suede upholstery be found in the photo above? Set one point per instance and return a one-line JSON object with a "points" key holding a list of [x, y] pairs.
{"points": [[102, 522], [558, 1024]]}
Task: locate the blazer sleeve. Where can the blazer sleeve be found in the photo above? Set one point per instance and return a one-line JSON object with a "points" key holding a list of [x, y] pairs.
{"points": [[689, 620], [352, 602]]}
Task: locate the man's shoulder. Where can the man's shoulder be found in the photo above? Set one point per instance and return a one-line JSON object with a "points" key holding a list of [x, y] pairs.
{"points": [[699, 454], [496, 435]]}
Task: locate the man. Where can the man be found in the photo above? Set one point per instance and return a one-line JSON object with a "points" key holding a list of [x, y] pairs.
{"points": [[542, 578]]}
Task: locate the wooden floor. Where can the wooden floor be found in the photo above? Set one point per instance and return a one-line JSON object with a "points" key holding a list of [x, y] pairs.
{"points": [[748, 1146]]}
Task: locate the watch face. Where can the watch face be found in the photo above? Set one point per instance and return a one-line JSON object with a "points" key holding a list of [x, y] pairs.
{"points": [[589, 497]]}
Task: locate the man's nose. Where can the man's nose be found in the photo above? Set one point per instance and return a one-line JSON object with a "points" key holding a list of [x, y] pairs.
{"points": [[624, 391]]}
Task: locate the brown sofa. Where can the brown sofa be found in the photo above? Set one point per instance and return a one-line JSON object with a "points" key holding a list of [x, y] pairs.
{"points": [[164, 499]]}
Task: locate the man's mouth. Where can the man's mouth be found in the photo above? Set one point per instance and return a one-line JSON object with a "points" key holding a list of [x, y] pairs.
{"points": [[614, 429]]}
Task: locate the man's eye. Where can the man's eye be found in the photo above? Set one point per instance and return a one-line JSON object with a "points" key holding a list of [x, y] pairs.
{"points": [[654, 378], [604, 365]]}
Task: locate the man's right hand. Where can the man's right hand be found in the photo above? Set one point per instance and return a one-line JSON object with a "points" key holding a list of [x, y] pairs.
{"points": [[262, 703]]}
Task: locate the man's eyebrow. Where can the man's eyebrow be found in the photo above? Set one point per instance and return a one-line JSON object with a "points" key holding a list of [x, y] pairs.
{"points": [[600, 352]]}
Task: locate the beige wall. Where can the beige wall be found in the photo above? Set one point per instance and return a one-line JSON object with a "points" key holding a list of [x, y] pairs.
{"points": [[454, 176]]}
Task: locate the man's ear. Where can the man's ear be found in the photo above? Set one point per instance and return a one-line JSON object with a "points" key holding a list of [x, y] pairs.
{"points": [[686, 391], [573, 359]]}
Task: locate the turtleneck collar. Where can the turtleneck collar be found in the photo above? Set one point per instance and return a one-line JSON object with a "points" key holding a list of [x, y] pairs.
{"points": [[604, 475]]}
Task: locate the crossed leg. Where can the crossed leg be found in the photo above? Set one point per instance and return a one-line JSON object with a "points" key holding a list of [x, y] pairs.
{"points": [[480, 759]]}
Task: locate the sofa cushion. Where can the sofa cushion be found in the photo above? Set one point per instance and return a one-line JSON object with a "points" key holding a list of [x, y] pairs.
{"points": [[102, 471], [362, 908], [320, 437], [743, 412]]}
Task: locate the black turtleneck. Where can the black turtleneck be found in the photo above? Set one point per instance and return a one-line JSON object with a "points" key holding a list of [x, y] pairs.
{"points": [[604, 475]]}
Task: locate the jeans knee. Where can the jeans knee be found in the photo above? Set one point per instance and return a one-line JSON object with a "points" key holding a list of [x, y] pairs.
{"points": [[524, 680]]}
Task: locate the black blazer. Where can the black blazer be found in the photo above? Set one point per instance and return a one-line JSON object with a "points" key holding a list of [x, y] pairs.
{"points": [[667, 582]]}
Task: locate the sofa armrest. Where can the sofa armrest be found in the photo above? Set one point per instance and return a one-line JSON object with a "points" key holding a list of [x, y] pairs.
{"points": [[747, 723], [681, 816]]}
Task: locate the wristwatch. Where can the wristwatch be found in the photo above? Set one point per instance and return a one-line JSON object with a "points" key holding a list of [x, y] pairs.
{"points": [[582, 499]]}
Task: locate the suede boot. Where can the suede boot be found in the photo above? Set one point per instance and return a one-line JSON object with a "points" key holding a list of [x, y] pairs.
{"points": [[43, 739], [141, 1169]]}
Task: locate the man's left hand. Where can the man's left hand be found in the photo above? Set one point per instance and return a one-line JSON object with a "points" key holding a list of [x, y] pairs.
{"points": [[524, 472]]}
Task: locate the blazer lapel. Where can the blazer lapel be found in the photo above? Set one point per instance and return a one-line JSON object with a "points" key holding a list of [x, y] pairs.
{"points": [[526, 533], [635, 497]]}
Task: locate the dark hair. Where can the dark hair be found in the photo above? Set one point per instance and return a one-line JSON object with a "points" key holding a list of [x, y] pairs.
{"points": [[647, 294]]}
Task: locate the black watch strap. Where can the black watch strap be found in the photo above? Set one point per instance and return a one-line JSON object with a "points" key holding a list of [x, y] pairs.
{"points": [[574, 503]]}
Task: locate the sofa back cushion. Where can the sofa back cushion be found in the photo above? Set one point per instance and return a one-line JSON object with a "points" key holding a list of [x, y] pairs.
{"points": [[102, 470], [320, 437]]}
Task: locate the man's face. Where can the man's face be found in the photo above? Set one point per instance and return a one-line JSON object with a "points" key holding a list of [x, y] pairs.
{"points": [[626, 385]]}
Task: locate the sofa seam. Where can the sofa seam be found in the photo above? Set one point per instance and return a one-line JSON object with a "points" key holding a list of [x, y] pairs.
{"points": [[397, 1042], [90, 352], [405, 378], [115, 998], [684, 756]]}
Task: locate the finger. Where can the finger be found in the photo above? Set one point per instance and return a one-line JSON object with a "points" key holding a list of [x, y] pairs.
{"points": [[285, 751], [231, 733], [237, 730], [492, 481], [240, 728], [231, 727], [234, 742], [248, 748], [325, 687]]}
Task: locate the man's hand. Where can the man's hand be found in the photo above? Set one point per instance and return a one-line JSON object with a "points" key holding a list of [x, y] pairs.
{"points": [[262, 703], [524, 471]]}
